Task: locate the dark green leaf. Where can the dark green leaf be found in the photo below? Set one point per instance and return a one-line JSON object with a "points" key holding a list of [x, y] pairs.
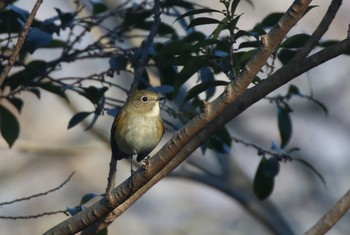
{"points": [[320, 104], [253, 44], [175, 48], [55, 89], [235, 3], [232, 24], [18, 103], [172, 3], [196, 12], [296, 41], [167, 74], [165, 89], [186, 73], [87, 197], [256, 80], [94, 119], [211, 43], [35, 91], [75, 210], [118, 63], [243, 33], [26, 76], [284, 125], [94, 94], [243, 57], [9, 126], [270, 167], [285, 55], [216, 33], [56, 44], [263, 184], [163, 29], [77, 118], [103, 232], [136, 16], [328, 43], [98, 7], [37, 39], [270, 20], [309, 8], [9, 22], [203, 21], [191, 66], [197, 89], [293, 90], [67, 18], [23, 13], [313, 169], [219, 142], [206, 75], [224, 136], [49, 25]]}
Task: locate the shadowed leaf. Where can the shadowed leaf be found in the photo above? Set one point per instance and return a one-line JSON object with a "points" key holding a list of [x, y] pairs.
{"points": [[9, 126]]}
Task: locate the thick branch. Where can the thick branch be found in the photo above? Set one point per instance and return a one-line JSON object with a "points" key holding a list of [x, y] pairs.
{"points": [[189, 137], [332, 217]]}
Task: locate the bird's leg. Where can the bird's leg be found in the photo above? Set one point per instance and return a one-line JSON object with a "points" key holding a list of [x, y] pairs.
{"points": [[131, 183], [131, 168], [145, 162]]}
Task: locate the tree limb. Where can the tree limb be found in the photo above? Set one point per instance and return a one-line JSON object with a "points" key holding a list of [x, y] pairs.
{"points": [[332, 217]]}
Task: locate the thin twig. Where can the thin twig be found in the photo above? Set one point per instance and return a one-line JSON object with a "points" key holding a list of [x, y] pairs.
{"points": [[39, 194], [34, 216], [20, 42], [146, 45]]}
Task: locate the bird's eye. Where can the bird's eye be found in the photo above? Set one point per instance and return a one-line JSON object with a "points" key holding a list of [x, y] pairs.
{"points": [[144, 98]]}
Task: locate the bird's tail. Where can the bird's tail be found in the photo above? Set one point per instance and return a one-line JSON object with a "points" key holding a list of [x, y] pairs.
{"points": [[111, 174]]}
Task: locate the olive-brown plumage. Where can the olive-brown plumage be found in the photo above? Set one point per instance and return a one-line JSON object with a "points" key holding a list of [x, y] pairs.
{"points": [[138, 128]]}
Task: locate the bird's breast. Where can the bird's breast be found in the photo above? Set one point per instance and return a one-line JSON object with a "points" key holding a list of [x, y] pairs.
{"points": [[140, 134]]}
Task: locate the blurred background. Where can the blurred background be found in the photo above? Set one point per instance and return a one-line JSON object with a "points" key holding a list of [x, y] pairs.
{"points": [[46, 152]]}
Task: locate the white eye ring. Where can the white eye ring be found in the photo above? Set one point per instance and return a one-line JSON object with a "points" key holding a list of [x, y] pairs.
{"points": [[144, 99]]}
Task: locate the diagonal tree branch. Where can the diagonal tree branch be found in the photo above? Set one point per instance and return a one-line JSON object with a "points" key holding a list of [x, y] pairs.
{"points": [[189, 137], [332, 217], [321, 29]]}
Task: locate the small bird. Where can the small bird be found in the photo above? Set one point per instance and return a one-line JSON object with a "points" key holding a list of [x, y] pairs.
{"points": [[138, 128]]}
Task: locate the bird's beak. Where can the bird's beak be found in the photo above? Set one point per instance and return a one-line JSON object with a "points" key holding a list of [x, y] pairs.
{"points": [[161, 98]]}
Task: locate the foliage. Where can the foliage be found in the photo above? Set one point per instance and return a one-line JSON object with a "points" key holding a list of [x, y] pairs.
{"points": [[180, 52]]}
